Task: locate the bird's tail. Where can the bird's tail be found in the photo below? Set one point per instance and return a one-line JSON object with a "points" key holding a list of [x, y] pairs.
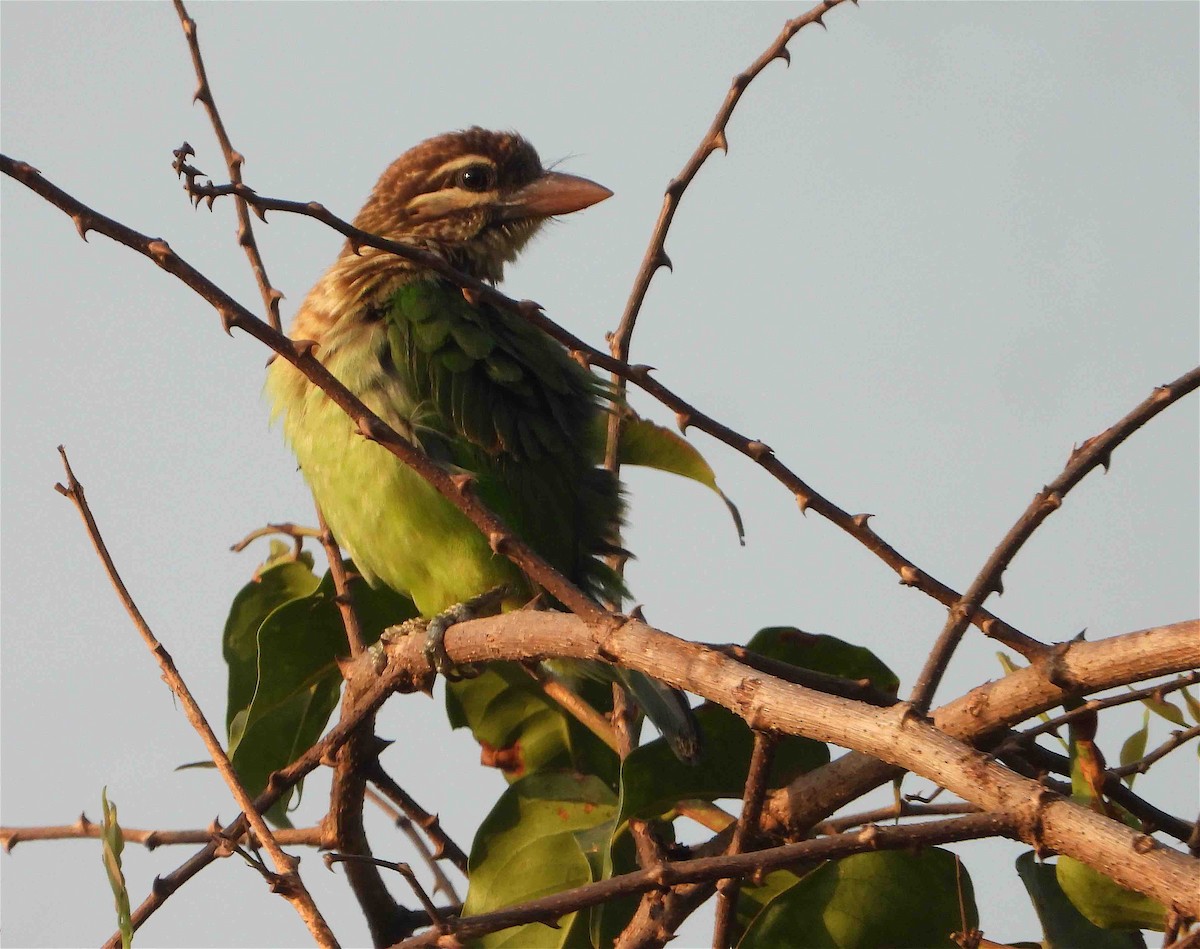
{"points": [[668, 709]]}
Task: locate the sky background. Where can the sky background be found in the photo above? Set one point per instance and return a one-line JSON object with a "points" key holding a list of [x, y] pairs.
{"points": [[948, 244]]}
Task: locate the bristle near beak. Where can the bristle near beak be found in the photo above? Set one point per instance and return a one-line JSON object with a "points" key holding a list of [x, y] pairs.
{"points": [[551, 193]]}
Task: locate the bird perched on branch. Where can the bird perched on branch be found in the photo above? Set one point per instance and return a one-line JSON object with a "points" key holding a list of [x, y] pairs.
{"points": [[476, 388]]}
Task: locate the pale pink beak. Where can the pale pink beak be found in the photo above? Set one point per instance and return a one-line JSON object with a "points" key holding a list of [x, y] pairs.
{"points": [[553, 193]]}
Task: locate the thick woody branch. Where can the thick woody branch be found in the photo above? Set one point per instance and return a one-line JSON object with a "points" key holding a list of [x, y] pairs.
{"points": [[1072, 670], [895, 736]]}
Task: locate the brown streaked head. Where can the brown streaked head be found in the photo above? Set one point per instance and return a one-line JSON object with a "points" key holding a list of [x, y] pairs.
{"points": [[475, 197]]}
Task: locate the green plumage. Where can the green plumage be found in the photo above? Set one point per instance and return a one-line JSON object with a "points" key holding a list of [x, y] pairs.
{"points": [[481, 391], [476, 388]]}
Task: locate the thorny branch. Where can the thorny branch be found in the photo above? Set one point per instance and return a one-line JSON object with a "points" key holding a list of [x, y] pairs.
{"points": [[233, 162], [551, 908], [84, 829], [441, 882], [656, 254], [686, 414], [300, 355], [752, 801], [1095, 452], [286, 881]]}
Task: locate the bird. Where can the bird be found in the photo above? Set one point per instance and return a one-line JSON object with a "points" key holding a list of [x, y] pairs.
{"points": [[475, 387]]}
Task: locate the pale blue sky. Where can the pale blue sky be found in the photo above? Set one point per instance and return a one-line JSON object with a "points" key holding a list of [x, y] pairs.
{"points": [[950, 242]]}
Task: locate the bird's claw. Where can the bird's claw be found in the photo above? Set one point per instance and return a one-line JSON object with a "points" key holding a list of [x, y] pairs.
{"points": [[435, 643]]}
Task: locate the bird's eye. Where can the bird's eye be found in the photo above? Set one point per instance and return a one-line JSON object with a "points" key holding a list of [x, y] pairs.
{"points": [[477, 178]]}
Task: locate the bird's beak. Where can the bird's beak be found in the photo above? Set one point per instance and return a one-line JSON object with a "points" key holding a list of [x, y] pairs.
{"points": [[552, 193]]}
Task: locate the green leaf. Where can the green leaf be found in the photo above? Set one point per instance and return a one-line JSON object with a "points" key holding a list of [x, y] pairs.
{"points": [[752, 899], [271, 588], [113, 843], [507, 711], [653, 780], [1063, 926], [284, 679], [648, 445], [1192, 704], [1165, 709], [532, 844], [826, 654], [1134, 747], [890, 898], [1104, 902], [609, 919]]}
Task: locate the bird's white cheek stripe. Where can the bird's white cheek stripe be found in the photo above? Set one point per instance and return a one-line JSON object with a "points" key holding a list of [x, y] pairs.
{"points": [[436, 203]]}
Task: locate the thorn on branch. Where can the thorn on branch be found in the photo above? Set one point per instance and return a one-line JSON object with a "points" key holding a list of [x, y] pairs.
{"points": [[860, 521], [786, 55], [719, 141], [757, 450], [81, 225], [160, 250], [463, 482], [662, 260], [303, 347]]}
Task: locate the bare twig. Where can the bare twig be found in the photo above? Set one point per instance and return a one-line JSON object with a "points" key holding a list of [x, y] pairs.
{"points": [[656, 255], [405, 871], [752, 797], [1122, 698], [295, 531], [1095, 452], [441, 882], [715, 868], [443, 845], [574, 705], [1142, 765], [902, 808], [341, 585], [233, 163], [287, 880], [84, 829]]}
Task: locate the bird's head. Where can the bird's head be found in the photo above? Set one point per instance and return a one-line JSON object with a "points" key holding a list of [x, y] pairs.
{"points": [[474, 197]]}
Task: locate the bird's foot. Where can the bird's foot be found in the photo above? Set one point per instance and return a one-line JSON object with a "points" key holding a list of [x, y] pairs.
{"points": [[486, 604]]}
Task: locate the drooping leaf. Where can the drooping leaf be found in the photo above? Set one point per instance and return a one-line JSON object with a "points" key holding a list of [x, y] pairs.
{"points": [[532, 844], [113, 841], [888, 898], [1134, 747], [653, 780], [1063, 926], [645, 444], [1165, 709], [1104, 902]]}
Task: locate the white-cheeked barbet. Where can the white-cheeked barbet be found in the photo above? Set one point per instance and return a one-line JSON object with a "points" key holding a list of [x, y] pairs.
{"points": [[476, 387]]}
